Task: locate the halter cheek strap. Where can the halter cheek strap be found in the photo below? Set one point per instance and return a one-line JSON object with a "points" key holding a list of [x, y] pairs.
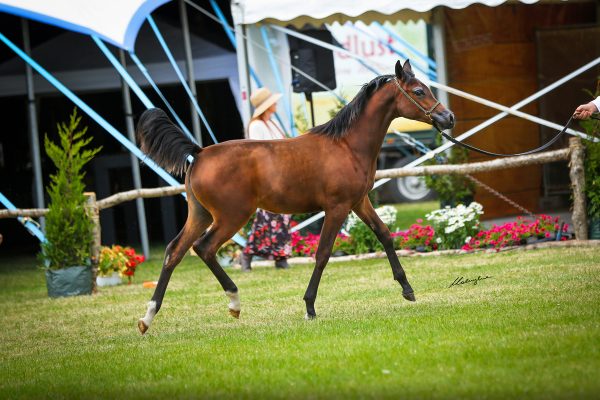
{"points": [[425, 111]]}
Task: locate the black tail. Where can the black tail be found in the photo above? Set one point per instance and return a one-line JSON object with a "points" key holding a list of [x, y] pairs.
{"points": [[164, 142]]}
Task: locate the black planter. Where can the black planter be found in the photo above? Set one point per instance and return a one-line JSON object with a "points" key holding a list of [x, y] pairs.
{"points": [[594, 229], [71, 281]]}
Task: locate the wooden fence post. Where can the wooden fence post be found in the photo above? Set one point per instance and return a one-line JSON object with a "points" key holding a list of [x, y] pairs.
{"points": [[94, 213], [577, 174]]}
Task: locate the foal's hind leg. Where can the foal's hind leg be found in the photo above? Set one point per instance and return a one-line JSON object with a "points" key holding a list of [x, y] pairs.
{"points": [[368, 215], [331, 226], [206, 247], [198, 220]]}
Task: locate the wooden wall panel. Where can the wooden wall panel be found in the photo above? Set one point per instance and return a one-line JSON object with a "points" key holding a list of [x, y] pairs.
{"points": [[494, 207], [493, 61], [504, 92], [491, 52]]}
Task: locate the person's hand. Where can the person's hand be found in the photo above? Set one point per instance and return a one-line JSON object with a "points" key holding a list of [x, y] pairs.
{"points": [[585, 111]]}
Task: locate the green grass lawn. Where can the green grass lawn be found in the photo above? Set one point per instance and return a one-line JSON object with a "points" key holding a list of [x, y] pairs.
{"points": [[408, 213], [532, 330]]}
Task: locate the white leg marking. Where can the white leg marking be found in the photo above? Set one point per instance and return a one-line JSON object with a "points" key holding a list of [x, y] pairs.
{"points": [[234, 303], [150, 313]]}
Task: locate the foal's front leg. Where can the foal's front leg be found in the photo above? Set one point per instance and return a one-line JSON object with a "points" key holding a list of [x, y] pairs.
{"points": [[331, 226], [367, 214]]}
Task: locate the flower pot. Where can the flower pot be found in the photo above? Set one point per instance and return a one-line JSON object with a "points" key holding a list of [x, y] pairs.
{"points": [[225, 260], [70, 281], [111, 280], [594, 231]]}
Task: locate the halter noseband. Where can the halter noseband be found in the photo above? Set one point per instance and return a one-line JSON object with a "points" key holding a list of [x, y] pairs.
{"points": [[420, 107]]}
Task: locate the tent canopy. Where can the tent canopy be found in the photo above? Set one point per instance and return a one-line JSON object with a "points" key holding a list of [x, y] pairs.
{"points": [[77, 62], [299, 13], [117, 22]]}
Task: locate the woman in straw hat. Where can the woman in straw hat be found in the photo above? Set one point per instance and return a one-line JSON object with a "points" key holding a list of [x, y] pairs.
{"points": [[270, 235]]}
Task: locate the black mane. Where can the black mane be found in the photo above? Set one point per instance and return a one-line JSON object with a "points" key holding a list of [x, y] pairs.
{"points": [[339, 125]]}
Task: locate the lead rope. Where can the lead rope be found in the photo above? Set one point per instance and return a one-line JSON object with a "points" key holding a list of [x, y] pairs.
{"points": [[472, 178], [468, 146]]}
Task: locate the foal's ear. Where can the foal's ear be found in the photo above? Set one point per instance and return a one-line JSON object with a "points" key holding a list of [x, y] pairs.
{"points": [[407, 68], [399, 71]]}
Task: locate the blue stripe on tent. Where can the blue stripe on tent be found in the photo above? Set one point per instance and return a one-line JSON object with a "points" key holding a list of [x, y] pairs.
{"points": [[130, 34], [89, 111], [231, 37], [180, 75], [101, 121], [432, 64], [113, 60], [31, 227], [134, 86], [146, 74]]}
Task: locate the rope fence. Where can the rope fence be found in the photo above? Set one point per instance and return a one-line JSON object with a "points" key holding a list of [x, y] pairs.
{"points": [[574, 154]]}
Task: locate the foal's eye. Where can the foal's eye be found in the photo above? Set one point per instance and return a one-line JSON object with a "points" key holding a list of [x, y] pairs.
{"points": [[419, 92]]}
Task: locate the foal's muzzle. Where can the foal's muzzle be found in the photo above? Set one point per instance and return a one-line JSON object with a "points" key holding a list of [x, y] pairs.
{"points": [[443, 120]]}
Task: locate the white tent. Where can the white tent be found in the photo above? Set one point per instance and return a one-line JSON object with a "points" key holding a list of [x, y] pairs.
{"points": [[317, 12], [250, 15], [89, 69], [118, 22]]}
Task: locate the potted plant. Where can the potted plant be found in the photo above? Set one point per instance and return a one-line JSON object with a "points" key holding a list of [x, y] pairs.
{"points": [[116, 262], [112, 261], [452, 189], [66, 253], [592, 174]]}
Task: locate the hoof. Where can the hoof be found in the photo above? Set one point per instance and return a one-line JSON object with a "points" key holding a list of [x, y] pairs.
{"points": [[409, 296], [142, 326], [310, 317], [234, 313]]}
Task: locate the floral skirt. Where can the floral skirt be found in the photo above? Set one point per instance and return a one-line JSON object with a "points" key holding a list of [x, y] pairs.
{"points": [[270, 236]]}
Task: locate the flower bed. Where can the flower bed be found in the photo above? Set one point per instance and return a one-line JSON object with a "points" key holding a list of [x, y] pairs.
{"points": [[455, 228], [516, 233], [451, 228]]}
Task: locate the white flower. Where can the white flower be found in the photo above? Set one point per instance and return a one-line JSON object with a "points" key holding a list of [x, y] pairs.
{"points": [[467, 239], [387, 215], [438, 240], [352, 221]]}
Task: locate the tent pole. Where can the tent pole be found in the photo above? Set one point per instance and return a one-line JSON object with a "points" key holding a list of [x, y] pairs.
{"points": [[231, 37], [189, 65], [135, 168], [34, 140], [439, 49], [242, 61]]}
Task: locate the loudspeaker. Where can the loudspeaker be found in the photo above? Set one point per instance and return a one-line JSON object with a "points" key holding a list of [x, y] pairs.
{"points": [[315, 61]]}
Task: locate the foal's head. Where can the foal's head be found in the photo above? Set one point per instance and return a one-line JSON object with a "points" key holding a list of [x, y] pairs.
{"points": [[415, 100]]}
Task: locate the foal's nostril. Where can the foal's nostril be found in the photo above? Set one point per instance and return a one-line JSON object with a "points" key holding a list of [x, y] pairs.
{"points": [[451, 118]]}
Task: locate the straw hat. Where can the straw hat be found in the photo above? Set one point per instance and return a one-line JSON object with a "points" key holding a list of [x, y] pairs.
{"points": [[262, 99]]}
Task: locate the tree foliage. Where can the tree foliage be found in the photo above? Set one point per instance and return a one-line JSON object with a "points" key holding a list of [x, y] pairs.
{"points": [[68, 227], [592, 163]]}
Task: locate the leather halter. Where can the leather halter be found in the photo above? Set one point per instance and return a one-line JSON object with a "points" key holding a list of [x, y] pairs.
{"points": [[468, 146], [420, 107]]}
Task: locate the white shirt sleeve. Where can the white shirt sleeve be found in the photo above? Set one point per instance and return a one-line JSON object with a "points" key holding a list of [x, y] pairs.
{"points": [[597, 103], [258, 130]]}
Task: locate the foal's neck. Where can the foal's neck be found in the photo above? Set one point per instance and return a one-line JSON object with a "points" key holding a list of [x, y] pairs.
{"points": [[366, 136]]}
